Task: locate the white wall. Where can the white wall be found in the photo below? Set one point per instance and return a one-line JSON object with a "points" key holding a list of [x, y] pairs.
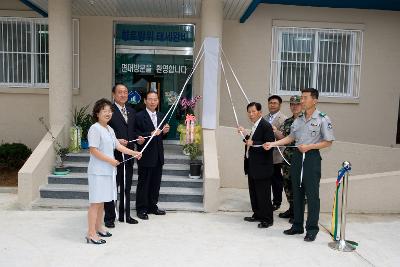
{"points": [[371, 121]]}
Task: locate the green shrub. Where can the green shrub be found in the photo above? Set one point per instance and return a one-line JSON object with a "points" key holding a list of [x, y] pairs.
{"points": [[14, 155], [81, 117], [193, 150]]}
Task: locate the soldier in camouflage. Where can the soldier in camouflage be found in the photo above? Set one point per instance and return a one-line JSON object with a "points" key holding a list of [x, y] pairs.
{"points": [[295, 107]]}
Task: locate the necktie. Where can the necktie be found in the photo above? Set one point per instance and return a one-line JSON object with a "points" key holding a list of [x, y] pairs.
{"points": [[154, 119], [124, 114]]}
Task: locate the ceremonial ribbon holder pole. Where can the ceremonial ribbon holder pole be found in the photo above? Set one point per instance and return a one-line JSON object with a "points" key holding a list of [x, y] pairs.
{"points": [[342, 244]]}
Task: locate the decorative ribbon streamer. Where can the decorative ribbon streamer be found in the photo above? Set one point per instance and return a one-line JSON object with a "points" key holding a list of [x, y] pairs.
{"points": [[122, 185], [135, 140], [230, 96], [334, 221], [274, 146], [190, 120], [115, 190], [302, 166], [244, 94], [234, 75]]}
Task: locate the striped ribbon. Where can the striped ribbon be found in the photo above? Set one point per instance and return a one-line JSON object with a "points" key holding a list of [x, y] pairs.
{"points": [[334, 222]]}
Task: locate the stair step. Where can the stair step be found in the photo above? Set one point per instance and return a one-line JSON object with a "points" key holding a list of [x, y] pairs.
{"points": [[169, 157], [167, 180], [77, 191], [52, 203], [168, 169]]}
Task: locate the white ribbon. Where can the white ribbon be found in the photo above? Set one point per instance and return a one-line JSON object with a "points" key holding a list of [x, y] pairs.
{"points": [[123, 183], [234, 75], [245, 96], [115, 190], [302, 164], [230, 96]]}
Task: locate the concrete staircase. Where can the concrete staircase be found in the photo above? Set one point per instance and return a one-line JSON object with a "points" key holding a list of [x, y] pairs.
{"points": [[178, 192]]}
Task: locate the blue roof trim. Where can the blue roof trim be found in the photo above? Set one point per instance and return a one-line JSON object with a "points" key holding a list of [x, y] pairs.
{"points": [[35, 8], [391, 5], [250, 9]]}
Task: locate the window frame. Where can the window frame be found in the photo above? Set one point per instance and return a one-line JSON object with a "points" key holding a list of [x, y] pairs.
{"points": [[356, 45], [33, 83]]}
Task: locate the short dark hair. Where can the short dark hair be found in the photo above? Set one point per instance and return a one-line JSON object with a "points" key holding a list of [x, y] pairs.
{"points": [[254, 104], [313, 91], [277, 97], [116, 85], [150, 92], [99, 105]]}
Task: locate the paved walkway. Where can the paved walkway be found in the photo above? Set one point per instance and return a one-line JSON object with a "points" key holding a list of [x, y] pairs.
{"points": [[56, 238]]}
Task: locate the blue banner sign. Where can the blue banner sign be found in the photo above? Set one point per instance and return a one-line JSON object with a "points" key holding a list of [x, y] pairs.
{"points": [[155, 35]]}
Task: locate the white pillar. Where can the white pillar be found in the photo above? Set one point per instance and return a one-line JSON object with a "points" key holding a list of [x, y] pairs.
{"points": [[60, 62], [212, 17], [211, 80], [211, 26]]}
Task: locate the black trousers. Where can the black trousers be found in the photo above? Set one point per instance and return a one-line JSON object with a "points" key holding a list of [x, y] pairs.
{"points": [[277, 184], [260, 198], [309, 187], [123, 185], [148, 188]]}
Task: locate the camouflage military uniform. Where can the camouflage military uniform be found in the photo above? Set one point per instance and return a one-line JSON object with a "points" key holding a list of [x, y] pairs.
{"points": [[287, 153]]}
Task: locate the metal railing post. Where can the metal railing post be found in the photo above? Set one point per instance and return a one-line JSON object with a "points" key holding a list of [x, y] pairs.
{"points": [[342, 244]]}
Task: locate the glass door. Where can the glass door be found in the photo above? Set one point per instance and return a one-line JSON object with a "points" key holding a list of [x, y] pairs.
{"points": [[161, 71]]}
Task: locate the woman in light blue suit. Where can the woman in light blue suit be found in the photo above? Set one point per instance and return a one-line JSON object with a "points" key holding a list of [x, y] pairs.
{"points": [[101, 169]]}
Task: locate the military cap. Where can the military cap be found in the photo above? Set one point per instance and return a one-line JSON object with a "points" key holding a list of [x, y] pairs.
{"points": [[295, 99]]}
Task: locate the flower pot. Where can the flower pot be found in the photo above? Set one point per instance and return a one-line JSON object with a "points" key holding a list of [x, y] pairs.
{"points": [[195, 169], [61, 171], [75, 133], [84, 144]]}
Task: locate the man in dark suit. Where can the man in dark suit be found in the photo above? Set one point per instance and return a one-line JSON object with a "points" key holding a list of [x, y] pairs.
{"points": [[258, 165], [122, 122], [152, 161]]}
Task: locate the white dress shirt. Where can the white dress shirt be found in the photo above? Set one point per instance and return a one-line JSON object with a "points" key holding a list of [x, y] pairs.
{"points": [[153, 117]]}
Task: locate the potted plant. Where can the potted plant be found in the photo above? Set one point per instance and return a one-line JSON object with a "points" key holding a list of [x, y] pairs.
{"points": [[61, 152], [82, 121], [194, 151]]}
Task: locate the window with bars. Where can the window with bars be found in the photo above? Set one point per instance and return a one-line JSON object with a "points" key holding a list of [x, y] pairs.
{"points": [[24, 52], [326, 59]]}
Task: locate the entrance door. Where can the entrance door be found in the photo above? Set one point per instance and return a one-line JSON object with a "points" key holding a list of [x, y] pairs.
{"points": [[162, 71]]}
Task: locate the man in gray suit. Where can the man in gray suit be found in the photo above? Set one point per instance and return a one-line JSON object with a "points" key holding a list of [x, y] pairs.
{"points": [[276, 119]]}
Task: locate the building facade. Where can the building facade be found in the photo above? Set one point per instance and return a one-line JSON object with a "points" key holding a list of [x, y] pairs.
{"points": [[350, 54]]}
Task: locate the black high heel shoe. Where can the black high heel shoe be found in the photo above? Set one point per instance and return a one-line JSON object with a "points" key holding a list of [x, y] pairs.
{"points": [[96, 242], [105, 234]]}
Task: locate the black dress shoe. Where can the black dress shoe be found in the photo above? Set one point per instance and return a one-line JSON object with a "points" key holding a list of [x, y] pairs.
{"points": [[251, 219], [109, 224], [121, 220], [158, 212], [264, 224], [310, 237], [286, 214], [293, 231], [130, 220], [96, 242], [143, 216], [291, 220], [105, 234], [275, 206]]}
